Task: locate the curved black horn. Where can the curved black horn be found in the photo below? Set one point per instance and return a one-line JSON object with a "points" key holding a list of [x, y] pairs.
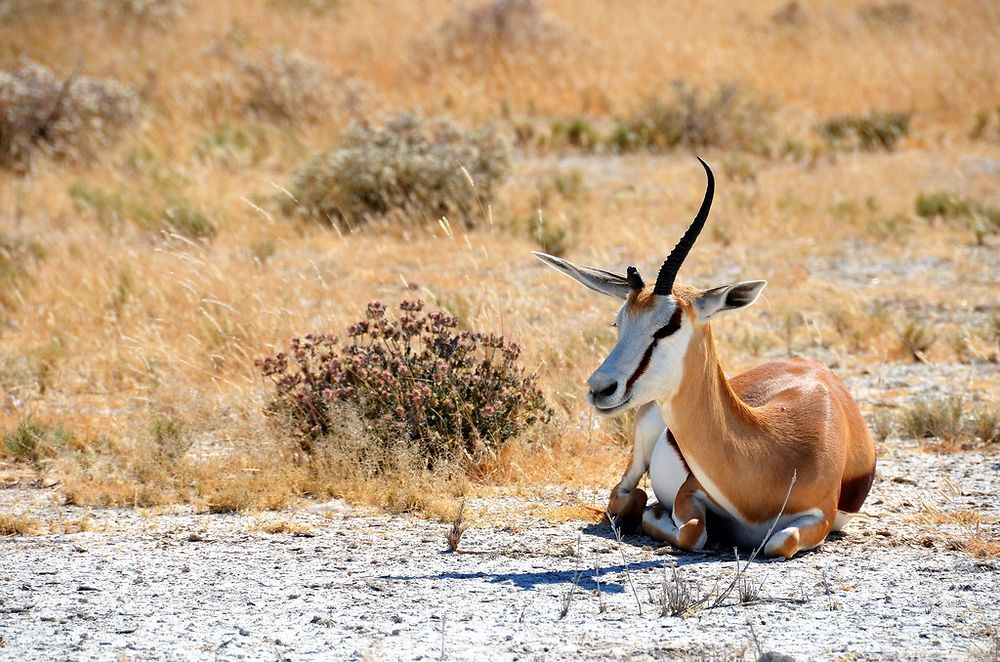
{"points": [[634, 279], [668, 272]]}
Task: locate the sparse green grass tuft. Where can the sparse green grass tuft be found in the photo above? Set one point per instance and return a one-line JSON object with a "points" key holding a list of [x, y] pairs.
{"points": [[950, 421], [186, 221], [314, 7], [942, 204], [577, 132], [891, 14], [234, 144], [32, 440], [941, 419], [876, 130], [986, 125], [881, 424], [113, 210], [982, 219]]}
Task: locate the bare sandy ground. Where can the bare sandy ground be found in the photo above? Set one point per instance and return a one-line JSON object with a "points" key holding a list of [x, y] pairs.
{"points": [[353, 584]]}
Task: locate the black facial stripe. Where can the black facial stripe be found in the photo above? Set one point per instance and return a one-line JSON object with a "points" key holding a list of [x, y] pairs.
{"points": [[643, 364], [671, 327]]}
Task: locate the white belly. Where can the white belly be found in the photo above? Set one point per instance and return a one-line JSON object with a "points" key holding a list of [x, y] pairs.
{"points": [[667, 471]]}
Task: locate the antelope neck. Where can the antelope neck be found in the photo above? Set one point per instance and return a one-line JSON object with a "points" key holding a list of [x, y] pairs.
{"points": [[715, 430]]}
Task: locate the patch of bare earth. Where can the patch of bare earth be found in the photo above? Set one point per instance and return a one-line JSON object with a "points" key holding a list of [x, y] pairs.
{"points": [[329, 581]]}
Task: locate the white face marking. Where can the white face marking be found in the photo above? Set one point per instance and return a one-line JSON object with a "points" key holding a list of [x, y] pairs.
{"points": [[627, 377]]}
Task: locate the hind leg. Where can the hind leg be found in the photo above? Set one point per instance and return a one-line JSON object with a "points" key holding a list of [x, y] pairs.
{"points": [[658, 525], [685, 526], [804, 532], [689, 515]]}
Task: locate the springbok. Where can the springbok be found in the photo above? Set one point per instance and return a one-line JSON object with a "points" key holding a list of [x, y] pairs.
{"points": [[781, 448]]}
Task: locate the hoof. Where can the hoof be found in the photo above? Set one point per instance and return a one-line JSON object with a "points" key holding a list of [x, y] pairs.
{"points": [[627, 509]]}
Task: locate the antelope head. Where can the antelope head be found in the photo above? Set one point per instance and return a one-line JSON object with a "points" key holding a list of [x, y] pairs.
{"points": [[656, 324]]}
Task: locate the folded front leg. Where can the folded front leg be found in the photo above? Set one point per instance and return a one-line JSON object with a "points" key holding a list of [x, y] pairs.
{"points": [[627, 501]]}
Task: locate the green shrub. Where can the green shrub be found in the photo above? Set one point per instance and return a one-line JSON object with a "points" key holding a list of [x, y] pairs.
{"points": [[450, 394], [429, 168], [981, 219], [577, 132], [941, 204], [730, 116], [33, 441], [986, 125], [876, 130], [65, 119]]}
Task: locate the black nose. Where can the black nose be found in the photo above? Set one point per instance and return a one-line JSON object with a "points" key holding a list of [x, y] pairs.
{"points": [[607, 392]]}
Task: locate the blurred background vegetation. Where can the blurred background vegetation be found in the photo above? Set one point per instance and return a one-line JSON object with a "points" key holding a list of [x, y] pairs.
{"points": [[186, 186]]}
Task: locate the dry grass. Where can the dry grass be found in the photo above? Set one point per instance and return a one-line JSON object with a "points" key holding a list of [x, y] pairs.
{"points": [[577, 512], [18, 525], [75, 525], [144, 284], [951, 424], [968, 518], [282, 526], [458, 527], [963, 530]]}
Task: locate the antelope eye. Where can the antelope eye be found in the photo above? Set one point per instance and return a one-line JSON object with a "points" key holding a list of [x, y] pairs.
{"points": [[671, 327]]}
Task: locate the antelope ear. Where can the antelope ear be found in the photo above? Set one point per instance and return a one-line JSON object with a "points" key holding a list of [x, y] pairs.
{"points": [[717, 300], [598, 280]]}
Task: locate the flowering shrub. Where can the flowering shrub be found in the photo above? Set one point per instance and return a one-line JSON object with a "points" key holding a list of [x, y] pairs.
{"points": [[450, 394]]}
